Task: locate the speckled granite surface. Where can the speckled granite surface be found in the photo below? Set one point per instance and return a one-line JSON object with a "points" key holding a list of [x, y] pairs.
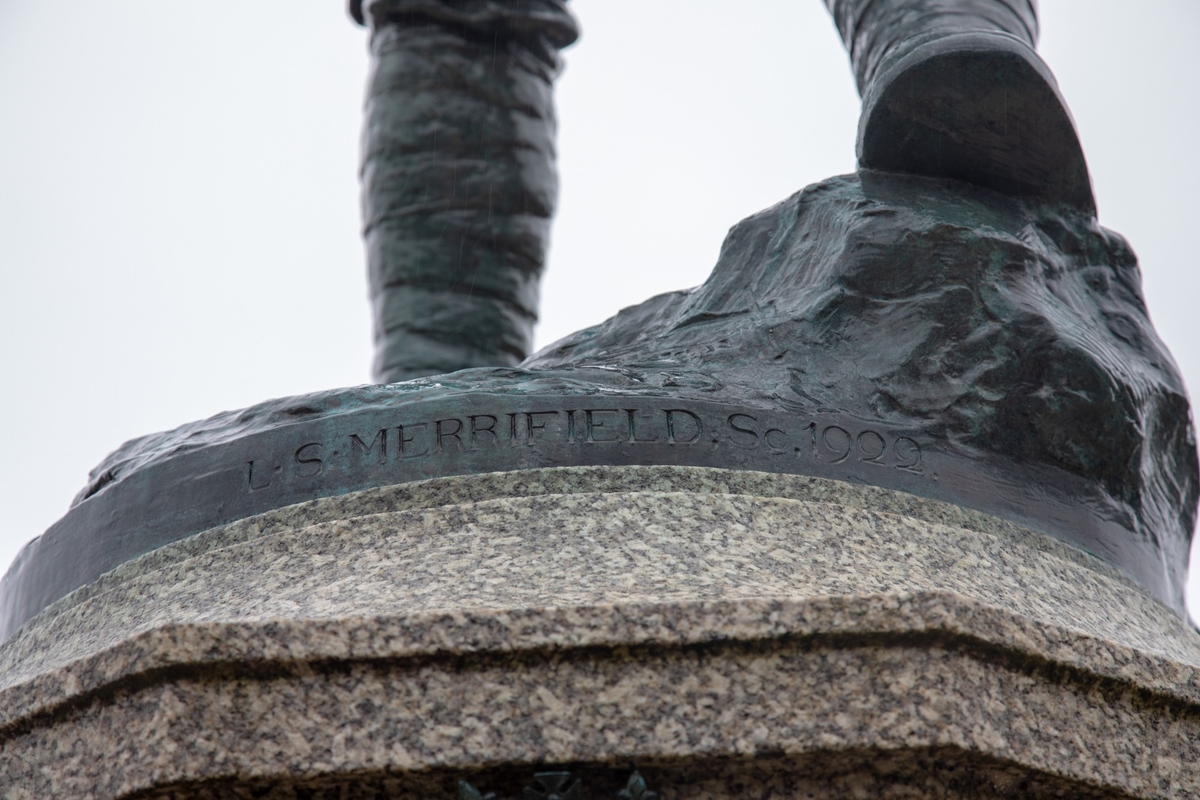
{"points": [[653, 615]]}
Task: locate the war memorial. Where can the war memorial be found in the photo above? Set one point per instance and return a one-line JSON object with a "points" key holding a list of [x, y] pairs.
{"points": [[896, 504]]}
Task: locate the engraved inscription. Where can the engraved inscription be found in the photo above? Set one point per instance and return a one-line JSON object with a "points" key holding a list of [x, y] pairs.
{"points": [[744, 433], [260, 475], [407, 448], [489, 429], [634, 431], [364, 450], [632, 416], [309, 463], [683, 426], [594, 424], [827, 444], [911, 452], [532, 424], [776, 440], [872, 446], [837, 440], [444, 432]]}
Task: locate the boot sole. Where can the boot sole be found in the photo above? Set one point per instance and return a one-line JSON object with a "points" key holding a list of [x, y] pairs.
{"points": [[976, 107]]}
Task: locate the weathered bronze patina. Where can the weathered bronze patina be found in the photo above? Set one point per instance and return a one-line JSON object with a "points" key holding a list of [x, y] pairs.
{"points": [[951, 321], [954, 89]]}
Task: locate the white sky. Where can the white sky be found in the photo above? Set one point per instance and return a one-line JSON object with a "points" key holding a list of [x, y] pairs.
{"points": [[179, 204]]}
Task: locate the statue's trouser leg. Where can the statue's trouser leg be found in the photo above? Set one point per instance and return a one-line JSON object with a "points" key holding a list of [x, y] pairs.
{"points": [[459, 181], [874, 30], [954, 89]]}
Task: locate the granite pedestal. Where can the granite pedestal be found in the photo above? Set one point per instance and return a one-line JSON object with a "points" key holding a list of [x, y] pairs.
{"points": [[725, 633]]}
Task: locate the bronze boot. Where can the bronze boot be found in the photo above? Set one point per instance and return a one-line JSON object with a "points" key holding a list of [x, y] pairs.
{"points": [[954, 89]]}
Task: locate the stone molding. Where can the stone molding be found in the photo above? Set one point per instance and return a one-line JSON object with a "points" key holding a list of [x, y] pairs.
{"points": [[675, 629]]}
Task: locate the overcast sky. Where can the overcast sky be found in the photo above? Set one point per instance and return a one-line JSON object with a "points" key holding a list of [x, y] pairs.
{"points": [[179, 229]]}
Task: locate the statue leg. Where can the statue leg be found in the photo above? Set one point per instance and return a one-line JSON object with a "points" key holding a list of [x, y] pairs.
{"points": [[458, 176], [954, 89]]}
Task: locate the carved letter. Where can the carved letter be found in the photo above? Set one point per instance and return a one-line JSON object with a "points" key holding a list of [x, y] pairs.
{"points": [[406, 440], [842, 433], [310, 465], [776, 448], [633, 428], [671, 426], [914, 452], [812, 426], [592, 424], [476, 429], [570, 426], [743, 442], [441, 435], [533, 425], [263, 481], [879, 448], [356, 444]]}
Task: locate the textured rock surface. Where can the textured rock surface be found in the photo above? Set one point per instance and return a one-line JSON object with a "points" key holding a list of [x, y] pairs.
{"points": [[722, 632], [1010, 331]]}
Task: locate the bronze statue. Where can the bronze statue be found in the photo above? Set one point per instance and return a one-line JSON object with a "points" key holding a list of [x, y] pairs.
{"points": [[951, 321], [459, 182]]}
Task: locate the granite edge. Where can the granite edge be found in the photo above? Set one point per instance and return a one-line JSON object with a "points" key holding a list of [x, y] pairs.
{"points": [[901, 618], [1024, 715]]}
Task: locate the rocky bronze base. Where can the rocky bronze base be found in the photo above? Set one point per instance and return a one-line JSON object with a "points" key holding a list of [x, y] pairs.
{"points": [[724, 633], [924, 336]]}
